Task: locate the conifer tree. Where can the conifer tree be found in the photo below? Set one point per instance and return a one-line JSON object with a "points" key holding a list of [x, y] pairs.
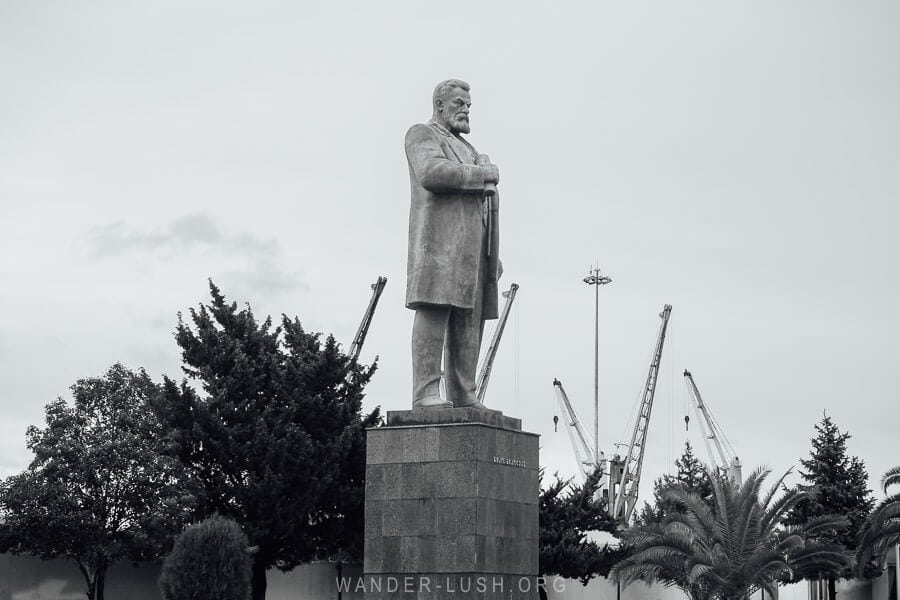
{"points": [[567, 513], [276, 437], [690, 475], [838, 485]]}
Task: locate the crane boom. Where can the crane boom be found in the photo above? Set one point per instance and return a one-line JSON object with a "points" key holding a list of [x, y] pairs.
{"points": [[360, 337], [712, 433], [584, 453], [626, 495], [484, 373]]}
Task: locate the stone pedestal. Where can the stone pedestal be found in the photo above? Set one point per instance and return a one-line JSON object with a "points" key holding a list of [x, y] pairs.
{"points": [[451, 506]]}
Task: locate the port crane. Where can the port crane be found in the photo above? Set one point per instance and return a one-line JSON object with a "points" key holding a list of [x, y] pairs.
{"points": [[624, 472], [713, 437], [484, 372], [584, 451], [627, 492], [360, 337]]}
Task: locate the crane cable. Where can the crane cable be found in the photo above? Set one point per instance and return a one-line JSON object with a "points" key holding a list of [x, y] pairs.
{"points": [[670, 385], [516, 367], [630, 422], [672, 347]]}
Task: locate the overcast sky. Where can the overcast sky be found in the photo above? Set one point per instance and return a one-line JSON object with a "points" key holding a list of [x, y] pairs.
{"points": [[736, 160]]}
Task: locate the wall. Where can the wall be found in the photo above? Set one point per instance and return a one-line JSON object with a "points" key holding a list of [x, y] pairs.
{"points": [[29, 578], [604, 589]]}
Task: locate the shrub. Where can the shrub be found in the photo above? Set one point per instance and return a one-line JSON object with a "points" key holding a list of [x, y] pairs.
{"points": [[209, 561]]}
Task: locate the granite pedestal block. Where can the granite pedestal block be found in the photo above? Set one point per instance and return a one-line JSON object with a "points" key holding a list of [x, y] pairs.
{"points": [[451, 506]]}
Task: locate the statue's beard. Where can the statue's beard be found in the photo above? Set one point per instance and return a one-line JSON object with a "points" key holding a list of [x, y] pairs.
{"points": [[460, 123]]}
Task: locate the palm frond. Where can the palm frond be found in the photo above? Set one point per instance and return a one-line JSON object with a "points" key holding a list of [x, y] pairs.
{"points": [[627, 572], [790, 542], [816, 526], [695, 506], [698, 571], [892, 477], [882, 528], [886, 509], [776, 512], [774, 489], [766, 570], [728, 546], [875, 543]]}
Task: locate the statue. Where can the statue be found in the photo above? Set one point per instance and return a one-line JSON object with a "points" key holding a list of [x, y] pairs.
{"points": [[453, 263]]}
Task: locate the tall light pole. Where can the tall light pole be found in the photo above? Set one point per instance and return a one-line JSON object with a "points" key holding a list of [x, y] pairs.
{"points": [[596, 279]]}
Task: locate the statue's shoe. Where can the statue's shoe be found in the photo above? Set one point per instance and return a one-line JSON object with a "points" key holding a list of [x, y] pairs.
{"points": [[431, 402], [475, 404]]}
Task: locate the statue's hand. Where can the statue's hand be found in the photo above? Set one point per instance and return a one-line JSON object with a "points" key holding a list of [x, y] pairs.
{"points": [[492, 173]]}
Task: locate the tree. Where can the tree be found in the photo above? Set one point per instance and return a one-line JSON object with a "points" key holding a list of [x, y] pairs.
{"points": [[209, 561], [730, 548], [838, 484], [566, 514], [101, 487], [881, 531], [277, 439], [690, 475]]}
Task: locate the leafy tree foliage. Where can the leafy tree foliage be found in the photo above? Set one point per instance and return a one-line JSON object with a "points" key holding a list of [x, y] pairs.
{"points": [[728, 548], [567, 513], [209, 561], [276, 437], [838, 484], [881, 531], [101, 487], [690, 475]]}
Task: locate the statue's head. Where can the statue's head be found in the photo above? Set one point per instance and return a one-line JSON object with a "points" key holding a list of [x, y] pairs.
{"points": [[451, 103]]}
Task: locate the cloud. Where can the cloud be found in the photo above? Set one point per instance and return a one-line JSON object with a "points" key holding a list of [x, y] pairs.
{"points": [[191, 232], [254, 263]]}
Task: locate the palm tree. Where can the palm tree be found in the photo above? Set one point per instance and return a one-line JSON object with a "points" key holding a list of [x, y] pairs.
{"points": [[882, 529], [729, 547]]}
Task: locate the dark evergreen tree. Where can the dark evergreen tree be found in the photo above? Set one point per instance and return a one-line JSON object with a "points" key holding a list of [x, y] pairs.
{"points": [[690, 475], [102, 487], [276, 437], [837, 485], [567, 513]]}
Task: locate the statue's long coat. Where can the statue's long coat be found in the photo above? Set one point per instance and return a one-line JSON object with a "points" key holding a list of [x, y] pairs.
{"points": [[446, 226]]}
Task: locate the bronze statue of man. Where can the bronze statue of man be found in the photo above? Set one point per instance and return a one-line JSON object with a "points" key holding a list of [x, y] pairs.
{"points": [[453, 250]]}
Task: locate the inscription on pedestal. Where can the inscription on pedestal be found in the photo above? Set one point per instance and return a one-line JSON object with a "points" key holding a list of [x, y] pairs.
{"points": [[513, 462]]}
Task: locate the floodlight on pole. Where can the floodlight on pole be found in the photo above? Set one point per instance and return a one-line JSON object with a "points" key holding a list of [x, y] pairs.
{"points": [[595, 279]]}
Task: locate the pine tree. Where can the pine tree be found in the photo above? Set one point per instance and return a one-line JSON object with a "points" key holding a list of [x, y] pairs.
{"points": [[838, 486], [567, 513], [277, 437], [690, 475]]}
